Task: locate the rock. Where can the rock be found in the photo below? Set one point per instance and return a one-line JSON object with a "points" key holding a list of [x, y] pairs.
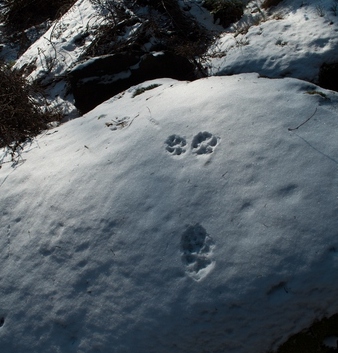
{"points": [[100, 78], [328, 75]]}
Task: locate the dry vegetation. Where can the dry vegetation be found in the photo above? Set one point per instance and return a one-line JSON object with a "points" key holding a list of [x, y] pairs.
{"points": [[270, 3], [21, 116], [19, 15], [225, 11], [161, 22]]}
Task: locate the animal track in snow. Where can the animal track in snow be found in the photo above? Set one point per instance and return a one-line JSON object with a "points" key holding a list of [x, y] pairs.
{"points": [[279, 292], [120, 123], [204, 143], [175, 145], [197, 247]]}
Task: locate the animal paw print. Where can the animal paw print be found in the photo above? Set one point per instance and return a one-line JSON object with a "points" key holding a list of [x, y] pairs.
{"points": [[204, 143], [175, 145], [196, 247], [119, 123]]}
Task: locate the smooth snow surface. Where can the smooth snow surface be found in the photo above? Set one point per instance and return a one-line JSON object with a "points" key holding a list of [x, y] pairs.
{"points": [[186, 219]]}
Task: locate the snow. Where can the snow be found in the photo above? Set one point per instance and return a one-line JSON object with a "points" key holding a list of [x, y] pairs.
{"points": [[292, 40], [50, 57], [193, 216], [111, 239], [56, 51]]}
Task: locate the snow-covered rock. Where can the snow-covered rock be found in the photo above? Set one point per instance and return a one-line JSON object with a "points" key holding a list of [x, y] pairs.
{"points": [[178, 217], [194, 216]]}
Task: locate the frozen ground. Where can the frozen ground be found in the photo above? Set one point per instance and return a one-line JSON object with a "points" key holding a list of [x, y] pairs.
{"points": [[193, 217]]}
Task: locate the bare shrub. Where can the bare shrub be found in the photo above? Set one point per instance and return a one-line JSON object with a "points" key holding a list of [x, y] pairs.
{"points": [[226, 11], [270, 3], [19, 15], [21, 116], [162, 22]]}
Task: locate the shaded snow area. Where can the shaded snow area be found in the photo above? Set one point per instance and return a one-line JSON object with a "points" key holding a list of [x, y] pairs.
{"points": [[193, 216]]}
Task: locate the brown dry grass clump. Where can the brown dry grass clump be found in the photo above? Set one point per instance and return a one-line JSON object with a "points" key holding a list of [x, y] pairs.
{"points": [[21, 117]]}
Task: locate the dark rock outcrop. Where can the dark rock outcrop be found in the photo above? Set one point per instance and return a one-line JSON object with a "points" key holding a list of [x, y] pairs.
{"points": [[328, 76], [100, 78], [226, 12]]}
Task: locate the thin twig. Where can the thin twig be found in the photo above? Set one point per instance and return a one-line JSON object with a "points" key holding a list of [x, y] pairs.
{"points": [[292, 129]]}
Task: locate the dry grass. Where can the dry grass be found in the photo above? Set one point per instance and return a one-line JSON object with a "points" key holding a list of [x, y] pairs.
{"points": [[165, 24], [21, 117], [270, 3], [19, 15], [225, 11]]}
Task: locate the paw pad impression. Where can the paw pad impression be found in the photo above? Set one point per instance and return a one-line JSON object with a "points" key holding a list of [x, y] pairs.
{"points": [[175, 144], [196, 248], [204, 143]]}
